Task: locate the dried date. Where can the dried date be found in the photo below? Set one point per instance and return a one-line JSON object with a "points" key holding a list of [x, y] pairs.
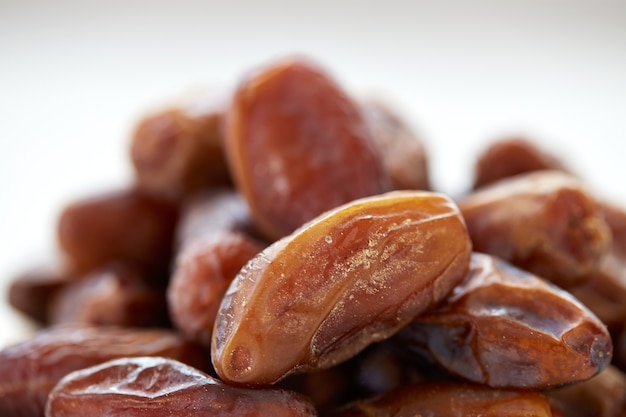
{"points": [[125, 225], [512, 156], [544, 222], [159, 387], [507, 328], [297, 146], [349, 278], [203, 270], [178, 151], [29, 370]]}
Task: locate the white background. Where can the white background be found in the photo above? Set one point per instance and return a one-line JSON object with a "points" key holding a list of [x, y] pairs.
{"points": [[75, 76]]}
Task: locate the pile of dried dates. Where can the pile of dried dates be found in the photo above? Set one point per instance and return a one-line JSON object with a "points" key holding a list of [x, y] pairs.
{"points": [[282, 253]]}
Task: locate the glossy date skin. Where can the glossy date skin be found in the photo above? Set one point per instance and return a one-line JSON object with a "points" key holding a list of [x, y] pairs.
{"points": [[506, 328], [347, 279], [159, 387], [450, 400], [29, 370], [297, 146], [544, 222]]}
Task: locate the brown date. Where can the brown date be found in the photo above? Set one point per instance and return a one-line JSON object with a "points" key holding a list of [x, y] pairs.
{"points": [[403, 152], [297, 146], [125, 225], [450, 400], [349, 278], [203, 270], [115, 295], [178, 151], [507, 328], [159, 387], [512, 156], [29, 370], [544, 222]]}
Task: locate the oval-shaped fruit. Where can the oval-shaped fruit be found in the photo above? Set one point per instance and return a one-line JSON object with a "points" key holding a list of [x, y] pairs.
{"points": [[545, 222], [29, 370], [159, 387], [351, 277], [297, 146], [507, 328]]}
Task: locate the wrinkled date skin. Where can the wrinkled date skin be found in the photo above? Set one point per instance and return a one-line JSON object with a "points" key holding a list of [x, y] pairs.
{"points": [[512, 156], [159, 387], [29, 370], [178, 151], [543, 222], [297, 146], [450, 400], [349, 278], [125, 225], [507, 328], [403, 152], [203, 271]]}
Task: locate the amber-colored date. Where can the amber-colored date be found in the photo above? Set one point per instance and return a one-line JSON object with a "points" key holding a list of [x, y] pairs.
{"points": [[297, 146], [544, 222], [507, 328], [349, 278], [450, 400], [159, 387], [125, 225], [29, 370]]}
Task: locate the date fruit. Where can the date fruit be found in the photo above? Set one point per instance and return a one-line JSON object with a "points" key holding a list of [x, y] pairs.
{"points": [[29, 370], [544, 222], [297, 146], [159, 387], [349, 278], [178, 151], [203, 270], [125, 225], [512, 156], [507, 328]]}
